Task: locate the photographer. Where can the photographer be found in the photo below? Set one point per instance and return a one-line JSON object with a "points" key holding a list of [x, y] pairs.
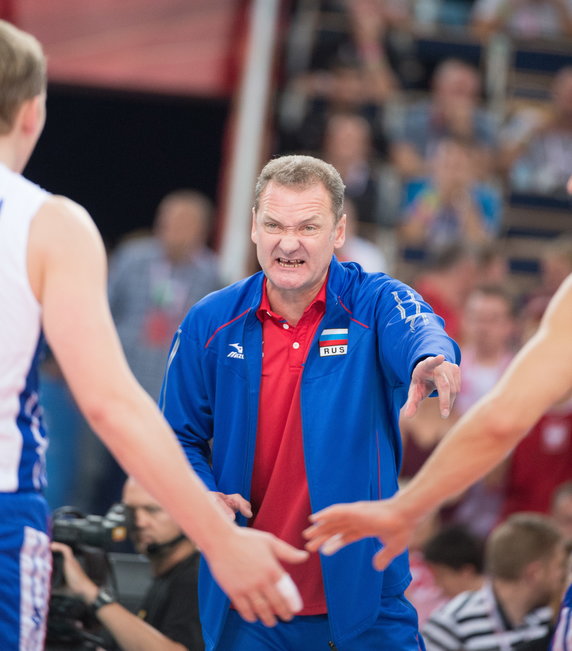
{"points": [[168, 618]]}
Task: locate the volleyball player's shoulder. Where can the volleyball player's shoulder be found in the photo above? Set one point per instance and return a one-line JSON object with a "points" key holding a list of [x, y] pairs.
{"points": [[62, 227], [60, 211], [567, 285], [61, 222]]}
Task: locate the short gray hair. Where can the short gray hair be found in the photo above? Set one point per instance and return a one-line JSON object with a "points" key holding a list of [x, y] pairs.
{"points": [[302, 172]]}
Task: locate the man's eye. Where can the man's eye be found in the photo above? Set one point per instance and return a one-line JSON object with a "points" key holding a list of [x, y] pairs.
{"points": [[271, 226], [309, 228]]}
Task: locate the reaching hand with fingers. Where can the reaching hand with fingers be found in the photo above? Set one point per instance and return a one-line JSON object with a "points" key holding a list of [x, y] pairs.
{"points": [[247, 567], [433, 374], [342, 524], [233, 504]]}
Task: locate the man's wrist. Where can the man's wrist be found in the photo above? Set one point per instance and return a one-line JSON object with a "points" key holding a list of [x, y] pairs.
{"points": [[104, 597], [407, 507]]}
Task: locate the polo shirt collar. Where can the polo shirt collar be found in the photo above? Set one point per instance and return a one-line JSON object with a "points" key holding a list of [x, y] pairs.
{"points": [[264, 311]]}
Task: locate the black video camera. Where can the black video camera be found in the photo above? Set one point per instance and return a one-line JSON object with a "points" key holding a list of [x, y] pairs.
{"points": [[71, 527], [71, 624]]}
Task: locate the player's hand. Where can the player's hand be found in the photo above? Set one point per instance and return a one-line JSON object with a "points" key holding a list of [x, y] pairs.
{"points": [[433, 373], [76, 579], [232, 504], [246, 565], [342, 524]]}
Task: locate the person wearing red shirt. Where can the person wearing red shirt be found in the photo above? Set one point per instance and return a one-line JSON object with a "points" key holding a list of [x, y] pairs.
{"points": [[298, 223]]}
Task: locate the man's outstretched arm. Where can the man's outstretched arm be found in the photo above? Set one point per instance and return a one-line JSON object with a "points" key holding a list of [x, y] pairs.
{"points": [[67, 271], [539, 376]]}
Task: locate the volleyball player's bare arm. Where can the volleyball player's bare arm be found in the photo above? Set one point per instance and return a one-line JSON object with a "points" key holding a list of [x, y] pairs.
{"points": [[67, 270], [539, 376]]}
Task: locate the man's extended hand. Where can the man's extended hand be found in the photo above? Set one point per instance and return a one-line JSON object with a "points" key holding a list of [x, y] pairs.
{"points": [[430, 374], [246, 565], [231, 504], [342, 524]]}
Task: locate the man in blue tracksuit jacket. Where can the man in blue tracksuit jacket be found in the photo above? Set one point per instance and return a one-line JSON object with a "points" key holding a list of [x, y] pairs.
{"points": [[350, 398]]}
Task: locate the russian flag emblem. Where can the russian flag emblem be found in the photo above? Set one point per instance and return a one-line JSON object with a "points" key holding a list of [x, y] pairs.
{"points": [[333, 341]]}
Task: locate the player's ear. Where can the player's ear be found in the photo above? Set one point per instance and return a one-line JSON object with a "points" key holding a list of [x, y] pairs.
{"points": [[32, 115]]}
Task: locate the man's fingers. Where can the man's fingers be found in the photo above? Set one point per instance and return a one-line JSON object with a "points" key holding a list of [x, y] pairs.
{"points": [[226, 508], [244, 507], [414, 398], [245, 610], [316, 537], [429, 364], [332, 529], [263, 610], [383, 558], [238, 503], [444, 392], [280, 599], [287, 553], [448, 383], [63, 549], [410, 408], [233, 503], [332, 544]]}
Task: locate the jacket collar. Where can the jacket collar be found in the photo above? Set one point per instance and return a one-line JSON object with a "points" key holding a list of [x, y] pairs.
{"points": [[335, 287]]}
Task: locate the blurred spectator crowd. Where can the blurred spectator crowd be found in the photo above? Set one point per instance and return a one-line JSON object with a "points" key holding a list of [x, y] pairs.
{"points": [[449, 120]]}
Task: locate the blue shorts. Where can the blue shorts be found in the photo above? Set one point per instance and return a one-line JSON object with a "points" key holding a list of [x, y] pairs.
{"points": [[25, 571], [396, 628]]}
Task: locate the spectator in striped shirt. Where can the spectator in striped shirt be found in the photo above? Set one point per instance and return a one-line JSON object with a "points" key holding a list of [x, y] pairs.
{"points": [[525, 560]]}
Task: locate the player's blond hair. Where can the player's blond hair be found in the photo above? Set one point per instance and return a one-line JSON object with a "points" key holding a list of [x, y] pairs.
{"points": [[22, 72]]}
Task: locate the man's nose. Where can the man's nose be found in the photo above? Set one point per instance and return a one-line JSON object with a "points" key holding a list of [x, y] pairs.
{"points": [[289, 242], [140, 518]]}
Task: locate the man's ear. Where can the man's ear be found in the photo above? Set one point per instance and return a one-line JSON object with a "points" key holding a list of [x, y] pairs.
{"points": [[31, 115], [340, 232], [533, 570], [253, 233]]}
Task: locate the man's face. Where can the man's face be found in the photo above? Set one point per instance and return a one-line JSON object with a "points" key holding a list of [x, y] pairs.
{"points": [[180, 226], [488, 323], [458, 84], [551, 580], [295, 235], [453, 166], [562, 514], [151, 523], [452, 582]]}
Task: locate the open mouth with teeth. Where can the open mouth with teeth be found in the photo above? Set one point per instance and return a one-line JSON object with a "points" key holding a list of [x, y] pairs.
{"points": [[290, 264]]}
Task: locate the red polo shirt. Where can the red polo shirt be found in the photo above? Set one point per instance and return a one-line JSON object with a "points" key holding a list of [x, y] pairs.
{"points": [[279, 491]]}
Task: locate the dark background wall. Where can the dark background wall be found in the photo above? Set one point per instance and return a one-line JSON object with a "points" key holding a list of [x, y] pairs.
{"points": [[119, 153]]}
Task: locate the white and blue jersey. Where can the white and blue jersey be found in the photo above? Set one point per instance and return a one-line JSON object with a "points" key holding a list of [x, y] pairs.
{"points": [[22, 436], [25, 557]]}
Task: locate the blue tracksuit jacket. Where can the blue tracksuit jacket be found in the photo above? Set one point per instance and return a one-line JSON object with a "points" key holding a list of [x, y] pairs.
{"points": [[349, 404]]}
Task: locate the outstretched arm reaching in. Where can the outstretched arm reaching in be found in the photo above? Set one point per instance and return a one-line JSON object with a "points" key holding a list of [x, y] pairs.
{"points": [[67, 272], [539, 376]]}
